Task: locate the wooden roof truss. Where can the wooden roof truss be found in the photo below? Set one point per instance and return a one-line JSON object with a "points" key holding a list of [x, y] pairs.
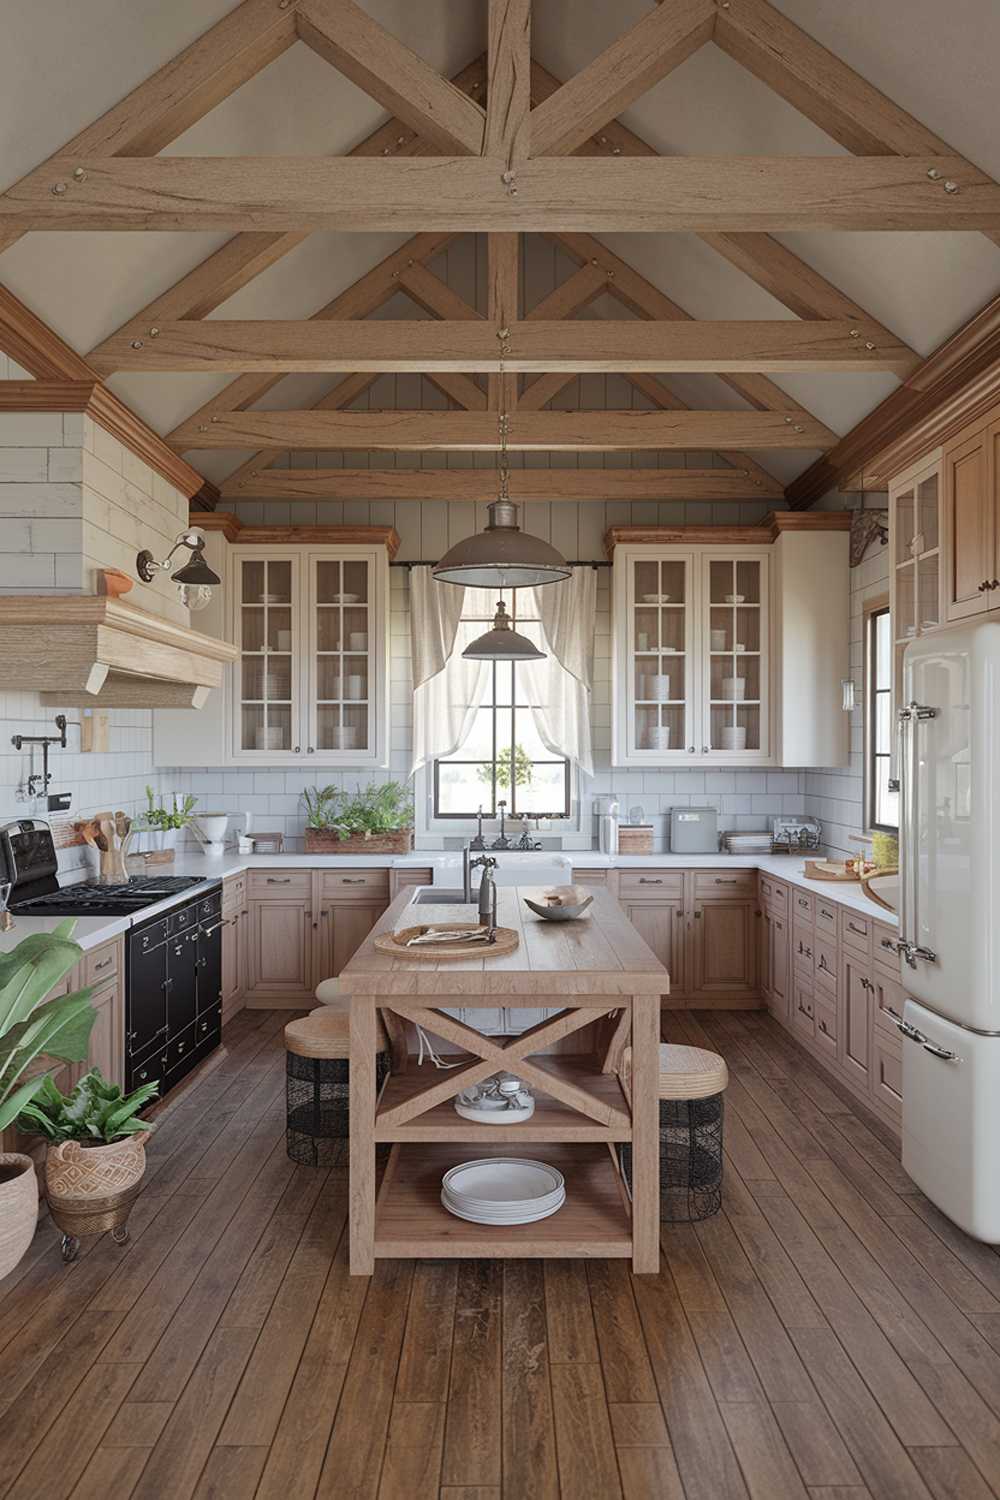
{"points": [[505, 148]]}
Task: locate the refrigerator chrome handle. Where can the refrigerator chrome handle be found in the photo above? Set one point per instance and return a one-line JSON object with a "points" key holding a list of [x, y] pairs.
{"points": [[904, 1027], [903, 736], [941, 1052]]}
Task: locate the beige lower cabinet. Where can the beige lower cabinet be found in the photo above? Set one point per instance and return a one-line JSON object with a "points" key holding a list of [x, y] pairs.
{"points": [[302, 927], [235, 944], [106, 1049], [723, 950], [702, 925], [774, 962], [660, 924]]}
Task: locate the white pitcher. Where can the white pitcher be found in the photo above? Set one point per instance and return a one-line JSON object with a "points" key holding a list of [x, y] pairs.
{"points": [[210, 831]]}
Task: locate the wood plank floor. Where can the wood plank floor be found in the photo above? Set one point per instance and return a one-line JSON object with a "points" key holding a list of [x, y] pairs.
{"points": [[828, 1335]]}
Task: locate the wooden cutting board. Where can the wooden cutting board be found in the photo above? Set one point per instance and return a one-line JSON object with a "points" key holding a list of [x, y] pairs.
{"points": [[395, 943]]}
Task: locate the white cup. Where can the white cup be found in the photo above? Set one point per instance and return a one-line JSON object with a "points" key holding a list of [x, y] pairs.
{"points": [[284, 640], [734, 688], [355, 686], [659, 687], [358, 640], [642, 641], [734, 737], [658, 737], [718, 640]]}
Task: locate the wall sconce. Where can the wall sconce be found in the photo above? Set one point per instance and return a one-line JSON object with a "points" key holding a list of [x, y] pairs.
{"points": [[194, 580], [848, 696]]}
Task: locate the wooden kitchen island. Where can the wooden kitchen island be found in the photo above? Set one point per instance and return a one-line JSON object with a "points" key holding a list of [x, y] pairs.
{"points": [[594, 973]]}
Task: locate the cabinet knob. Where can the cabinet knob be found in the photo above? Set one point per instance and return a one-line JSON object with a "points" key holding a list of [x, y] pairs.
{"points": [[298, 749], [705, 749], [690, 749], [311, 750]]}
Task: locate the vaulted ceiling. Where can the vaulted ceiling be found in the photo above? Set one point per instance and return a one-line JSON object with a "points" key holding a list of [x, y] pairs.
{"points": [[64, 64]]}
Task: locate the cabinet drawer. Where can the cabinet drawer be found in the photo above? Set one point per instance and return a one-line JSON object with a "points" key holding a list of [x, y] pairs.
{"points": [[279, 884], [343, 884], [102, 964], [887, 1073], [774, 893], [825, 1015], [827, 962], [591, 877], [884, 948], [803, 905], [827, 914], [856, 932], [234, 893], [803, 946], [709, 883], [411, 875], [636, 885]]}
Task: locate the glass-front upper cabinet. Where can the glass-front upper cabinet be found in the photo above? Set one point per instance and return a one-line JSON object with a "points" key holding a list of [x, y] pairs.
{"points": [[691, 662], [915, 578], [311, 684]]}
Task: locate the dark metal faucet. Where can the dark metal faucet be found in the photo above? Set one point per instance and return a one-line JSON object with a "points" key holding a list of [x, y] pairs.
{"points": [[501, 842], [478, 842]]}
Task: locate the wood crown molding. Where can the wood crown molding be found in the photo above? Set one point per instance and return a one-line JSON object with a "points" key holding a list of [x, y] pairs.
{"points": [[62, 375], [769, 530], [235, 530], [950, 389]]}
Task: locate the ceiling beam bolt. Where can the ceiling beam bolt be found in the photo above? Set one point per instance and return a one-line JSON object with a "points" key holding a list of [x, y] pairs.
{"points": [[154, 333], [855, 333], [951, 187], [137, 344], [508, 179], [869, 344], [79, 174], [934, 174], [58, 188]]}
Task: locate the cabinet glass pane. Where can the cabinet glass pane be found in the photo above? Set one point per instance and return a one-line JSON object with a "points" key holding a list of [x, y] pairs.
{"points": [[905, 524], [342, 675], [341, 727], [659, 726], [927, 513], [929, 610], [328, 583], [735, 727], [906, 601], [266, 647]]}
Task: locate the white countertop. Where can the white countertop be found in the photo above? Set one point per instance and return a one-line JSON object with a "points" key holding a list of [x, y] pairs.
{"points": [[90, 932]]}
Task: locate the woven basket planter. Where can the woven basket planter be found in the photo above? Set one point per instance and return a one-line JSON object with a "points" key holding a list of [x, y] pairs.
{"points": [[91, 1189], [328, 841], [18, 1208]]}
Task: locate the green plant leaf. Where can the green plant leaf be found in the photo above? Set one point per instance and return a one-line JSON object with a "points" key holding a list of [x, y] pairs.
{"points": [[31, 972], [12, 1107], [61, 1029]]}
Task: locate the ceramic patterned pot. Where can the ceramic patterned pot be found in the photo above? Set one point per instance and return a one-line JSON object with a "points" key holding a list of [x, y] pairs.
{"points": [[91, 1189], [18, 1208]]}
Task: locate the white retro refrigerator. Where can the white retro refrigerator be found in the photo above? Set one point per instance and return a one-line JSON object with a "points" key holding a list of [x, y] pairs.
{"points": [[949, 769]]}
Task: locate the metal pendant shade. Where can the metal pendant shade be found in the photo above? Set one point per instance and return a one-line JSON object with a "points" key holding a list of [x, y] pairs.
{"points": [[503, 556], [502, 643]]}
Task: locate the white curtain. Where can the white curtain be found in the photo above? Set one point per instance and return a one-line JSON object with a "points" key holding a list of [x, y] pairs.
{"points": [[559, 689], [447, 689]]}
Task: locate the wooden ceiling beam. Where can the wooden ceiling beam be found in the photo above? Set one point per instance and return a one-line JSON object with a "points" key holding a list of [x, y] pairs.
{"points": [[476, 432], [180, 93], [508, 96], [370, 291], [645, 54], [422, 346], [381, 65], [236, 263], [668, 195], [666, 400], [479, 486]]}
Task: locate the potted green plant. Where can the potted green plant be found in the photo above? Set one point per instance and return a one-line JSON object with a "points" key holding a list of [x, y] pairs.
{"points": [[96, 1154], [376, 819], [159, 824], [33, 1029]]}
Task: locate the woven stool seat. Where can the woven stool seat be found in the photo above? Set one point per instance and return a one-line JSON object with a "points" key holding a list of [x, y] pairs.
{"points": [[690, 1072], [322, 1033]]}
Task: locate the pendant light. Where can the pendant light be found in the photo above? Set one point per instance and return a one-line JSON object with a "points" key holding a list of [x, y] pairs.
{"points": [[503, 643], [502, 556]]}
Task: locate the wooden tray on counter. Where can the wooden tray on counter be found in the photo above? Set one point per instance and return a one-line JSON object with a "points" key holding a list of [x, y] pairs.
{"points": [[507, 941]]}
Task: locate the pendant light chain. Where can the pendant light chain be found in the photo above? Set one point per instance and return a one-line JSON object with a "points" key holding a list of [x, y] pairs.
{"points": [[503, 418]]}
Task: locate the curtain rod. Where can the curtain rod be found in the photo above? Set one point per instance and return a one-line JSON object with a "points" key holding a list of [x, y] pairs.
{"points": [[579, 562]]}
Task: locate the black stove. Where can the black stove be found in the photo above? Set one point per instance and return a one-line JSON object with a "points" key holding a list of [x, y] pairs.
{"points": [[29, 857]]}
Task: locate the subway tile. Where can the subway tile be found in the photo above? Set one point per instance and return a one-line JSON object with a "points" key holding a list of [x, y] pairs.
{"points": [[24, 465]]}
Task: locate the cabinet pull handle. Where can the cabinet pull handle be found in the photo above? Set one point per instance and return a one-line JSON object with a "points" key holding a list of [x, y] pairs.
{"points": [[726, 880], [982, 587], [995, 583], [278, 880], [354, 880], [646, 880], [226, 922], [105, 963], [861, 931], [802, 901]]}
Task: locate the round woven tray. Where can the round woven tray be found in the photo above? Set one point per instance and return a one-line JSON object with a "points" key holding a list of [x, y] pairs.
{"points": [[395, 943]]}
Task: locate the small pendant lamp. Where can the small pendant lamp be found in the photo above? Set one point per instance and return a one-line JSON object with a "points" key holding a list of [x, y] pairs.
{"points": [[503, 643], [502, 556]]}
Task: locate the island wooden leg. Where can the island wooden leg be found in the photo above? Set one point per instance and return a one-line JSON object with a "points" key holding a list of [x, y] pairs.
{"points": [[362, 1145], [645, 1134]]}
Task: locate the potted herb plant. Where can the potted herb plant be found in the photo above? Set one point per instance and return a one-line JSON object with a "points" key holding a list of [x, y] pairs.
{"points": [[33, 1029], [96, 1154], [160, 824], [376, 819]]}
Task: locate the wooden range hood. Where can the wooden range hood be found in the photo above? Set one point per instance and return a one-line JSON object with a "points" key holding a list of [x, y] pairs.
{"points": [[99, 652]]}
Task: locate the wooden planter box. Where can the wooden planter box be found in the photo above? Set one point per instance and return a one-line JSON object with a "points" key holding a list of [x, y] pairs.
{"points": [[326, 841]]}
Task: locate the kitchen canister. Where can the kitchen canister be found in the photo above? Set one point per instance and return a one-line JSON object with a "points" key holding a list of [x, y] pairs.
{"points": [[734, 737], [355, 686], [358, 640], [658, 738], [658, 684], [718, 639], [734, 688]]}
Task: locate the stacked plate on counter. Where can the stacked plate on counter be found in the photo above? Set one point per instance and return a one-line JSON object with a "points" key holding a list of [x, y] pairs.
{"points": [[503, 1190]]}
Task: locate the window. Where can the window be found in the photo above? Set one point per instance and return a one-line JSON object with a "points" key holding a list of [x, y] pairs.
{"points": [[504, 737], [882, 804]]}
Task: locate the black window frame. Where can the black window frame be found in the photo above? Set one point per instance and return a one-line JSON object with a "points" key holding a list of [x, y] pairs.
{"points": [[872, 694], [490, 789]]}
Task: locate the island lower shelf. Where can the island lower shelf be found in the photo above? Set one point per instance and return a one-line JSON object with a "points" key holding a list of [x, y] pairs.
{"points": [[410, 1221]]}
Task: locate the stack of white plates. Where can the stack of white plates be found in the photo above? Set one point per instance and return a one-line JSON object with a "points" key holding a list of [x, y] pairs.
{"points": [[503, 1190]]}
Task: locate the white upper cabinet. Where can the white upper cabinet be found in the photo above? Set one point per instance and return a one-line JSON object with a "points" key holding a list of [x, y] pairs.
{"points": [[732, 655], [691, 656], [310, 686]]}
